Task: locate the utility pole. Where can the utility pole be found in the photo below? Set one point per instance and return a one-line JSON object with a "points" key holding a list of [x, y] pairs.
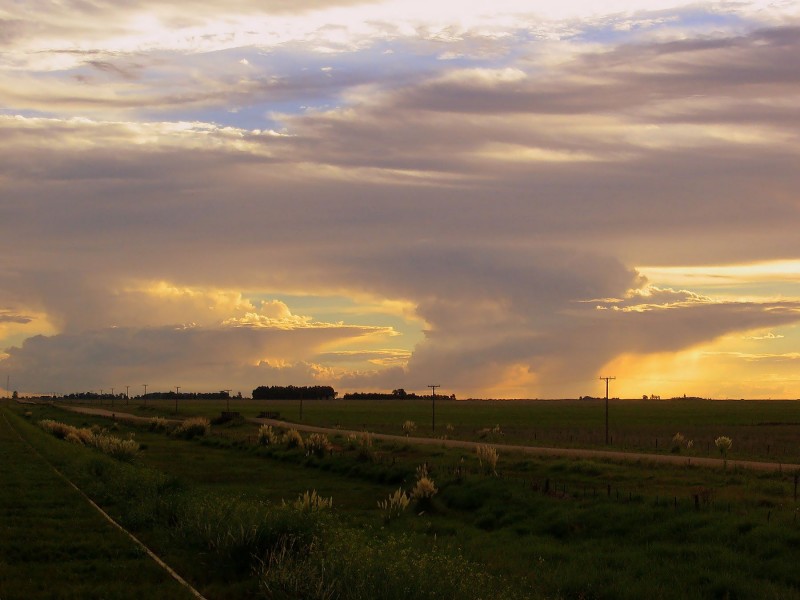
{"points": [[433, 406], [127, 395], [177, 393], [607, 379], [228, 400], [145, 394], [112, 397]]}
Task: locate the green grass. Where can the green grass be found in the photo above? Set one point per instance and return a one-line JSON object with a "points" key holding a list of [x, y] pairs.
{"points": [[55, 545], [550, 521]]}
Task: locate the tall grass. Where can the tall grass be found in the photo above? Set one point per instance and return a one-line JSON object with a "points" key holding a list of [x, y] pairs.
{"points": [[192, 428], [394, 505], [267, 436], [317, 444], [351, 565], [487, 458], [124, 450]]}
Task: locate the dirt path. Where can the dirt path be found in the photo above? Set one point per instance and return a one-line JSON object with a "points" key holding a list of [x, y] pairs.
{"points": [[534, 450]]}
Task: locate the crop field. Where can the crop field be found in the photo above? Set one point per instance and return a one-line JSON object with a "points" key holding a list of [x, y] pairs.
{"points": [[494, 526]]}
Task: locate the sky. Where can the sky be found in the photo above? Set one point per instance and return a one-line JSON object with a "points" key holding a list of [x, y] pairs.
{"points": [[509, 199]]}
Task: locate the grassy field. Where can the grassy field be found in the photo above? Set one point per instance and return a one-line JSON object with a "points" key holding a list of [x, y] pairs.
{"points": [[762, 430], [547, 527]]}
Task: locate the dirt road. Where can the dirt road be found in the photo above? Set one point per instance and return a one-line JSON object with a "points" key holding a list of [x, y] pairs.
{"points": [[534, 450]]}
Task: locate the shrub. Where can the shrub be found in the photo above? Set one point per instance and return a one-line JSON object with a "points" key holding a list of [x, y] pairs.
{"points": [[293, 439], [409, 427], [267, 436], [194, 427], [393, 506], [424, 489], [318, 444], [487, 458]]}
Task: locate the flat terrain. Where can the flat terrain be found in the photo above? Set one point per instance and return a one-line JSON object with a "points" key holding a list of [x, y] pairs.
{"points": [[762, 430], [571, 523], [53, 544], [673, 459]]}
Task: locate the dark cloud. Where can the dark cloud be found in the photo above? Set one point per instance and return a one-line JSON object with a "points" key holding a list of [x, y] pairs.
{"points": [[10, 317]]}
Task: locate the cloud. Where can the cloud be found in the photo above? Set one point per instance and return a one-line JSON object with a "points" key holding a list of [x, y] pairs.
{"points": [[767, 336], [7, 317], [200, 357], [497, 197]]}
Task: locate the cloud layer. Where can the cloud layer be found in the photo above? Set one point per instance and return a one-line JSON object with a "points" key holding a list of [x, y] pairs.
{"points": [[492, 189]]}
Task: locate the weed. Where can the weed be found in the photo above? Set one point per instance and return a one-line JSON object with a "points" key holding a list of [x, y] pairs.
{"points": [[394, 506], [309, 502], [409, 427]]}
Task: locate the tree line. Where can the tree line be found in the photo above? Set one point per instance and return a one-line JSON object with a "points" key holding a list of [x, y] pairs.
{"points": [[294, 392]]}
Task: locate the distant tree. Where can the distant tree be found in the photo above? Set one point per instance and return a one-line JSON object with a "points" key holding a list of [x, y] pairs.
{"points": [[399, 393], [15, 395]]}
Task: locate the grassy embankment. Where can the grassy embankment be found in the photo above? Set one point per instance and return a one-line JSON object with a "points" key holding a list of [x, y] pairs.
{"points": [[53, 544]]}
